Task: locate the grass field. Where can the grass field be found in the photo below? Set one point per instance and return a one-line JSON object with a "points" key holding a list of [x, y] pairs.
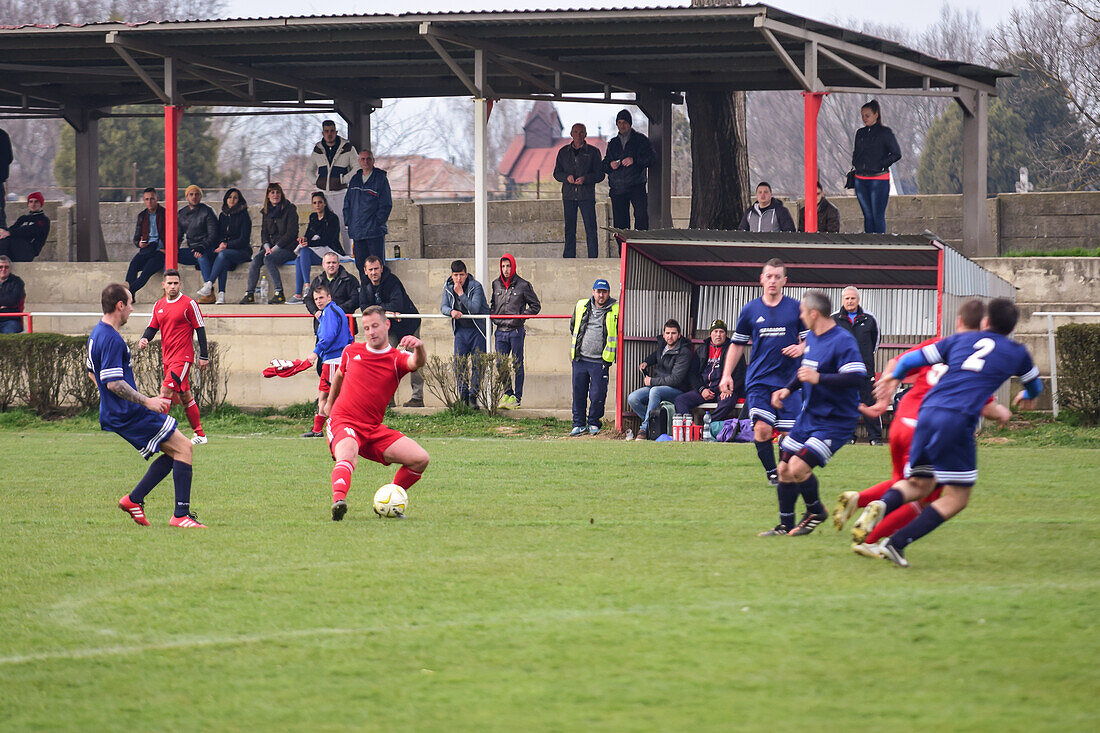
{"points": [[537, 585]]}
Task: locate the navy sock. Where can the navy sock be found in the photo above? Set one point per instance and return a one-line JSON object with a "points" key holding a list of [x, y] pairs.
{"points": [[767, 455], [158, 469], [928, 520], [892, 499], [181, 477], [811, 496], [788, 496]]}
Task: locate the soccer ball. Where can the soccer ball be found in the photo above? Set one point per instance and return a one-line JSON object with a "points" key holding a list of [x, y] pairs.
{"points": [[390, 501]]}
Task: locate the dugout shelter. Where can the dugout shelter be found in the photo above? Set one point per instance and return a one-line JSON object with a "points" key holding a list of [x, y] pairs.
{"points": [[912, 284]]}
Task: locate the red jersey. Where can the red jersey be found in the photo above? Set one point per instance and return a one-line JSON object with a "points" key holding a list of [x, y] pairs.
{"points": [[923, 380], [177, 320], [370, 380]]}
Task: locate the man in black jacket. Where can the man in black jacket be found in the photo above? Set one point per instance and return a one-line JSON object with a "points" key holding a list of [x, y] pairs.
{"points": [[706, 374], [199, 224], [666, 375], [512, 296], [628, 156], [579, 168], [12, 296], [768, 214], [828, 216], [381, 287], [863, 326], [24, 239]]}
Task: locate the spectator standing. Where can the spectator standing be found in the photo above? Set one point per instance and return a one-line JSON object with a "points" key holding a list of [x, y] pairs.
{"points": [[595, 338], [579, 168], [768, 214], [463, 295], [385, 290], [628, 156], [278, 238], [367, 206], [334, 159], [149, 240], [706, 376], [512, 296], [864, 327], [234, 247], [6, 159], [13, 294], [24, 239], [666, 373], [828, 216], [322, 237], [876, 149], [199, 224]]}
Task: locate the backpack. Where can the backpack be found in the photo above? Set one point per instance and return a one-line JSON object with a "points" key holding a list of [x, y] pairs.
{"points": [[660, 420]]}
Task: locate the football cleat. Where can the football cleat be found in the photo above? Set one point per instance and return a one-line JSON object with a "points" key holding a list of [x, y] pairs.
{"points": [[312, 434], [869, 550], [891, 553], [778, 531], [135, 510], [773, 478], [189, 521], [846, 505], [200, 440], [339, 509], [872, 515], [808, 524]]}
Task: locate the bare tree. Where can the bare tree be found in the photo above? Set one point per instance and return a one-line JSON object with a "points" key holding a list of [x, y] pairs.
{"points": [[454, 117]]}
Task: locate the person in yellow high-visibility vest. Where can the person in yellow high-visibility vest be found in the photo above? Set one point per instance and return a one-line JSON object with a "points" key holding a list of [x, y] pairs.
{"points": [[595, 329]]}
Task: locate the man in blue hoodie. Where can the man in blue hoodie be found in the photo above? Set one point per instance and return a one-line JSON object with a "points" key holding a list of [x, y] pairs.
{"points": [[463, 296], [367, 206], [333, 334]]}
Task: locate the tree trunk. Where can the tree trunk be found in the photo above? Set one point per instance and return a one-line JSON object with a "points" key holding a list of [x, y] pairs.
{"points": [[719, 152]]}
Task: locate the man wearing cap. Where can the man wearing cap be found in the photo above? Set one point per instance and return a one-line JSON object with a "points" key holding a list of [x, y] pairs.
{"points": [[628, 156], [199, 224], [706, 375], [595, 330], [24, 239]]}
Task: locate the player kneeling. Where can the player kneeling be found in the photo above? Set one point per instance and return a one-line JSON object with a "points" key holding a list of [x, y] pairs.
{"points": [[362, 386]]}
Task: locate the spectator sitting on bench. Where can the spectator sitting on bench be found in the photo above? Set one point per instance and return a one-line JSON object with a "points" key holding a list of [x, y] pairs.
{"points": [[24, 239], [12, 296], [666, 375], [706, 373]]}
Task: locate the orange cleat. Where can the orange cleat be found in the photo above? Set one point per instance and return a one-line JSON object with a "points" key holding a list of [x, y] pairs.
{"points": [[189, 522], [135, 510]]}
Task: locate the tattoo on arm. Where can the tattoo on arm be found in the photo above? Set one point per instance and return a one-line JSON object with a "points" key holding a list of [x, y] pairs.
{"points": [[126, 392]]}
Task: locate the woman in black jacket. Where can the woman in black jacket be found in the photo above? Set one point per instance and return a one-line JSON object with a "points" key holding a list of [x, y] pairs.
{"points": [[875, 151], [322, 236], [234, 246], [278, 238]]}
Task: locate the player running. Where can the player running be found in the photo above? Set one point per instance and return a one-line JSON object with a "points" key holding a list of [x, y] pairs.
{"points": [[178, 317], [333, 334], [943, 448], [771, 324], [362, 386], [830, 376], [969, 318], [142, 421]]}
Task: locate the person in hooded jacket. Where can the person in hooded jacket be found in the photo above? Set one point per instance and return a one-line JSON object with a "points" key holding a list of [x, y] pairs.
{"points": [[768, 214], [513, 296], [234, 247], [24, 239], [628, 156], [463, 295], [199, 224]]}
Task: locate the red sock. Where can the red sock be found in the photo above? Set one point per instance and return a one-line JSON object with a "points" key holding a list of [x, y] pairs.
{"points": [[192, 410], [406, 478], [875, 492], [894, 521], [341, 480], [318, 422]]}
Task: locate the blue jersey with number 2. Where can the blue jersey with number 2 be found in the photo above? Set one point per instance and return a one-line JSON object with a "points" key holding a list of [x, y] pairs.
{"points": [[978, 362]]}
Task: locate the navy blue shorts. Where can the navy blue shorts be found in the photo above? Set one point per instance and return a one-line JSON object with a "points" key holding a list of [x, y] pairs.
{"points": [[146, 431], [943, 448], [816, 444], [758, 400]]}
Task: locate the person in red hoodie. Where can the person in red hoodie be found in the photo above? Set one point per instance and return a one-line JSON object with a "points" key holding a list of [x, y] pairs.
{"points": [[512, 296]]}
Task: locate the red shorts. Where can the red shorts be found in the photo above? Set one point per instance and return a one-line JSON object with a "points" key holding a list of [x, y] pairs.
{"points": [[373, 440], [181, 369], [325, 385], [901, 437]]}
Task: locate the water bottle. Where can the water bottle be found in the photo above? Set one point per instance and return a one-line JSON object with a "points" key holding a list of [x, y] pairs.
{"points": [[263, 288], [707, 437], [678, 428]]}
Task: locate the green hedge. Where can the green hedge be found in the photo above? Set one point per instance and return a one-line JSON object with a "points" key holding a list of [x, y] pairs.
{"points": [[1079, 371], [48, 373]]}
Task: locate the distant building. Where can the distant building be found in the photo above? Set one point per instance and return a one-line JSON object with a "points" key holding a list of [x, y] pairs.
{"points": [[530, 156], [411, 176]]}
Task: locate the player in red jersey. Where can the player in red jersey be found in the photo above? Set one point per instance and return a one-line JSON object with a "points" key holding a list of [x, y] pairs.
{"points": [[901, 436], [362, 386], [177, 317]]}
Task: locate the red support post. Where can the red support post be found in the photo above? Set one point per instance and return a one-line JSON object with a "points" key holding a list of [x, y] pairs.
{"points": [[812, 105], [172, 115]]}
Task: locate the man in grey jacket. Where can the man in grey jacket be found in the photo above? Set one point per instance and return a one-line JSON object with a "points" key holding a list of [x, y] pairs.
{"points": [[579, 167], [512, 296], [463, 296], [666, 373]]}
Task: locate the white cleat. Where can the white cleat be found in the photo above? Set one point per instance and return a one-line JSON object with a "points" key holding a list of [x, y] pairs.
{"points": [[869, 550], [200, 440], [846, 505], [871, 516]]}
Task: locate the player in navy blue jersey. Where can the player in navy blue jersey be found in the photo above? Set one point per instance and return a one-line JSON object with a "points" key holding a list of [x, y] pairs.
{"points": [[829, 379], [142, 421], [943, 449], [771, 324]]}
